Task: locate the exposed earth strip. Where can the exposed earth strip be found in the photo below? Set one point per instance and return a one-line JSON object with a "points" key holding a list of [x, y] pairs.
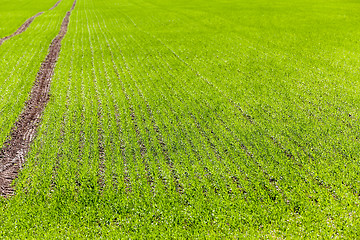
{"points": [[25, 25], [15, 149], [56, 4]]}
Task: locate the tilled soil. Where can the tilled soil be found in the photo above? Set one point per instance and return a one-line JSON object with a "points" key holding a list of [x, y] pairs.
{"points": [[15, 149]]}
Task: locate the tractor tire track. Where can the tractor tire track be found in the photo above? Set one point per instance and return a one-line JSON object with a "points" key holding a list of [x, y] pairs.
{"points": [[15, 149], [56, 4], [25, 25], [21, 29]]}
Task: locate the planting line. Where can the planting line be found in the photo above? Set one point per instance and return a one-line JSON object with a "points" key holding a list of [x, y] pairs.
{"points": [[25, 25], [15, 149]]}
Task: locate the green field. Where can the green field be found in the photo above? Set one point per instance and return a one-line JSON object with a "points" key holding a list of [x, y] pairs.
{"points": [[14, 13], [187, 119]]}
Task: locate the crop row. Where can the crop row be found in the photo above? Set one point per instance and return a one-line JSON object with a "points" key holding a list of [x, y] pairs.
{"points": [[15, 13], [166, 120], [21, 58]]}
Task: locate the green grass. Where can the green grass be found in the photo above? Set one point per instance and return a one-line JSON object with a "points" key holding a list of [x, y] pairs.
{"points": [[197, 119]]}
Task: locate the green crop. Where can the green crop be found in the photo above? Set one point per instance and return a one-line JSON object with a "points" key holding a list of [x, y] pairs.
{"points": [[21, 57], [15, 13], [190, 119]]}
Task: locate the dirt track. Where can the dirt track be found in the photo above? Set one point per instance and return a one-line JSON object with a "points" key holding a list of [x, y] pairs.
{"points": [[56, 4], [21, 29], [25, 25], [15, 149]]}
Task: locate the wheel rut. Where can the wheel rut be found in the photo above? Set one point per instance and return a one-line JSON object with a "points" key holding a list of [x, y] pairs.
{"points": [[25, 25], [56, 4], [12, 155]]}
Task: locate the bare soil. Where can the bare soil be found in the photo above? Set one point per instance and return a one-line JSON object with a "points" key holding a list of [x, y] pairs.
{"points": [[12, 155], [56, 4]]}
